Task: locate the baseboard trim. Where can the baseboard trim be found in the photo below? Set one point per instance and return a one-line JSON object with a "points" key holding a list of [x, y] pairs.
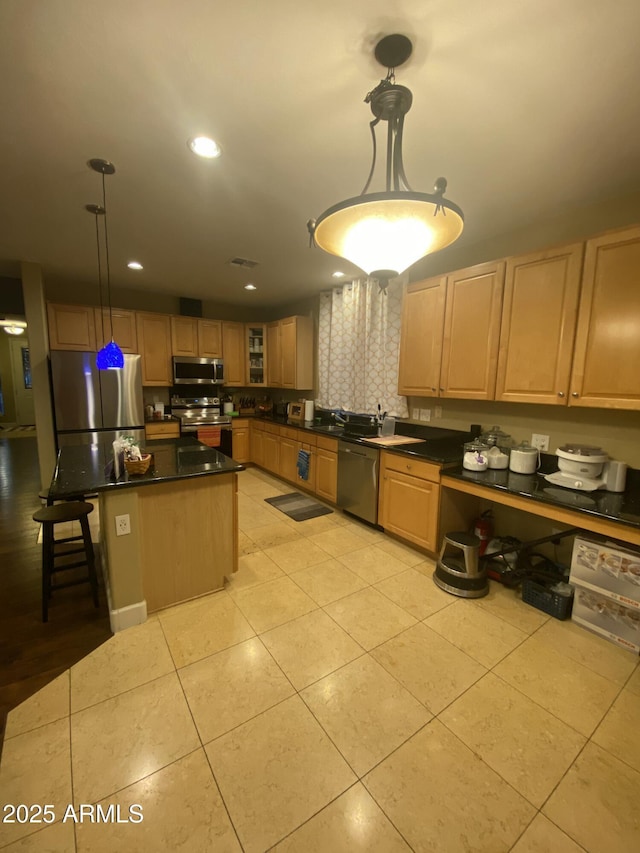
{"points": [[127, 617]]}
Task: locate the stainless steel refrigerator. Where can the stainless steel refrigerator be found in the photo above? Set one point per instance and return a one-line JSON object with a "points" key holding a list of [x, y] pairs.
{"points": [[94, 406]]}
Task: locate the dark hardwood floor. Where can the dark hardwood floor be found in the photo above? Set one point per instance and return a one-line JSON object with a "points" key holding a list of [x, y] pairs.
{"points": [[33, 653]]}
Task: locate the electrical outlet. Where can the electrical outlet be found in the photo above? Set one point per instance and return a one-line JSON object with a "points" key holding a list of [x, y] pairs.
{"points": [[415, 414], [123, 525], [540, 441], [437, 413], [425, 414]]}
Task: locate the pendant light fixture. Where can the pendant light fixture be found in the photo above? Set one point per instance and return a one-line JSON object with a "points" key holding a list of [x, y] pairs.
{"points": [[384, 233], [110, 356]]}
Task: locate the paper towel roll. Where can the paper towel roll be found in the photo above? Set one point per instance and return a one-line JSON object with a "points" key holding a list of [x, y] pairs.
{"points": [[308, 410]]}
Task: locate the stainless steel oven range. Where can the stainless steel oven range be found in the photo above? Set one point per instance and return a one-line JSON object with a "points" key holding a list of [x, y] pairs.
{"points": [[197, 413]]}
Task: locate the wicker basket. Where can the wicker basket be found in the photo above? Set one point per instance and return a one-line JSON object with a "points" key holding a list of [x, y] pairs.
{"points": [[138, 466]]}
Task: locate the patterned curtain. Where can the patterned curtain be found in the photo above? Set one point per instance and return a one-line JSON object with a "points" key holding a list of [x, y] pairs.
{"points": [[358, 346]]}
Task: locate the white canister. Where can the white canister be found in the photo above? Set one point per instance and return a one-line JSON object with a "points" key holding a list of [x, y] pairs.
{"points": [[227, 408], [308, 410], [524, 459]]}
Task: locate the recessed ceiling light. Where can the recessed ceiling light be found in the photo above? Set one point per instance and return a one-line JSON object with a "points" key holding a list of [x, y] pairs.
{"points": [[338, 274], [250, 287], [135, 265], [203, 146]]}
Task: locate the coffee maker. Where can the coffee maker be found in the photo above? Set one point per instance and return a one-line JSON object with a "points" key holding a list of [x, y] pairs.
{"points": [[588, 468]]}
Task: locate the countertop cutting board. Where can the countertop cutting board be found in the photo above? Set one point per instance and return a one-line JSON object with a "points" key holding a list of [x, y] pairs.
{"points": [[390, 440]]}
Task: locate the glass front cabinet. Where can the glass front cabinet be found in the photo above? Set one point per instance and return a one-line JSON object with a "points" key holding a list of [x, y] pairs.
{"points": [[256, 356]]}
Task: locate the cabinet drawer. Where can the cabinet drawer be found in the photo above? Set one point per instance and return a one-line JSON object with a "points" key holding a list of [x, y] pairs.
{"points": [[414, 467], [169, 429], [287, 432], [239, 423], [306, 437], [274, 429], [324, 443]]}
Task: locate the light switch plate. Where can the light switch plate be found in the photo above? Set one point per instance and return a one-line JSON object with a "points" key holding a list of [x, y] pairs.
{"points": [[437, 412], [425, 414], [415, 414]]}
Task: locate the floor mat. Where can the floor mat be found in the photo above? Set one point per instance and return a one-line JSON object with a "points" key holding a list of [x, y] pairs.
{"points": [[298, 507]]}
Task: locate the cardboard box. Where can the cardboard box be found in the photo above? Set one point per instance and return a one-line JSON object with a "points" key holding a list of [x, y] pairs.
{"points": [[608, 567], [607, 616]]}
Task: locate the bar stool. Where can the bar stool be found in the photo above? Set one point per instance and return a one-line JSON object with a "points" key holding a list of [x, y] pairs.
{"points": [[49, 516], [458, 570]]}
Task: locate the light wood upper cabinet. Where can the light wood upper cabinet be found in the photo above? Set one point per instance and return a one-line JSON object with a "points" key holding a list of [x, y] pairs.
{"points": [[606, 372], [184, 336], [421, 337], [472, 332], [296, 352], [255, 354], [538, 326], [274, 362], [154, 340], [71, 327], [233, 353], [196, 338], [124, 328], [210, 338]]}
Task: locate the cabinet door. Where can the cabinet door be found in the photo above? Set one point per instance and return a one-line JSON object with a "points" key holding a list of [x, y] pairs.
{"points": [[327, 474], [472, 332], [124, 328], [184, 336], [240, 451], [271, 452], [154, 340], [254, 337], [274, 362], [538, 326], [421, 338], [233, 353], [257, 445], [408, 507], [210, 338], [606, 361], [71, 327], [310, 482], [155, 432], [289, 448]]}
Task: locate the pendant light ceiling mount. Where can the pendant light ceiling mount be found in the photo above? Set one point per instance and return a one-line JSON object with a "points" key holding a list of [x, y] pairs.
{"points": [[386, 232], [110, 356]]}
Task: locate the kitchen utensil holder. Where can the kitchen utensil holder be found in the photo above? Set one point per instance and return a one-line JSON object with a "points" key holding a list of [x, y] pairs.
{"points": [[541, 596]]}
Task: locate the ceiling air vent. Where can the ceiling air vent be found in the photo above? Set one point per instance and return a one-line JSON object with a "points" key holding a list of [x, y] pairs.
{"points": [[243, 262]]}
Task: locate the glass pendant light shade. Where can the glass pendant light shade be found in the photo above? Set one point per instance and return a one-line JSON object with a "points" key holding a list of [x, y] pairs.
{"points": [[386, 233], [110, 357]]}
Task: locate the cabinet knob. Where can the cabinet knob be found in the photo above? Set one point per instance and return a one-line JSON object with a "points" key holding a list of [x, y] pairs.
{"points": [[575, 394], [433, 389], [442, 389], [560, 393], [408, 466]]}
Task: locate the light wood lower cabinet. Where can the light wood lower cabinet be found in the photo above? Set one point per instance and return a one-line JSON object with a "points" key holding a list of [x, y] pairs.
{"points": [[256, 441], [240, 440], [166, 429], [327, 468], [409, 497], [288, 459], [271, 449]]}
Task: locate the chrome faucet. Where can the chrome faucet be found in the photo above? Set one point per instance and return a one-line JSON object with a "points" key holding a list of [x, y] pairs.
{"points": [[338, 418]]}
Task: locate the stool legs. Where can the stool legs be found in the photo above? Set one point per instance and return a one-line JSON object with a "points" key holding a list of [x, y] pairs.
{"points": [[47, 567], [91, 563]]}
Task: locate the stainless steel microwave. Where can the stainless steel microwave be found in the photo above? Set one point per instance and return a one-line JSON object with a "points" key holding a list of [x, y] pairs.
{"points": [[197, 371]]}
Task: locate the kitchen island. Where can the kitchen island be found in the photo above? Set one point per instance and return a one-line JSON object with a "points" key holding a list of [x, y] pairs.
{"points": [[182, 516]]}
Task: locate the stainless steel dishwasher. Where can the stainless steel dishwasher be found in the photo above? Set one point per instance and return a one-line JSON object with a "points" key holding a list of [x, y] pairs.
{"points": [[358, 469]]}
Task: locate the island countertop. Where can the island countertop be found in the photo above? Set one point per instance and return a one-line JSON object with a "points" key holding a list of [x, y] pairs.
{"points": [[84, 469]]}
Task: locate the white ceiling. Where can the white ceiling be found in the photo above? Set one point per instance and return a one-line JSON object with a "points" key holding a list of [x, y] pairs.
{"points": [[527, 107]]}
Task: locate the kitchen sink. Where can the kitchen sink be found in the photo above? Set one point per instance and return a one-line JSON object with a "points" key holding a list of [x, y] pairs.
{"points": [[333, 429]]}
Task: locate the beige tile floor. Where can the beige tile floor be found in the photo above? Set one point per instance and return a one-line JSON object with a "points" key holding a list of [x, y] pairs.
{"points": [[333, 699]]}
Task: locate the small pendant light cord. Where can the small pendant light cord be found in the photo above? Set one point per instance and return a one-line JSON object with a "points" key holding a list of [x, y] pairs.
{"points": [[99, 274], [106, 248]]}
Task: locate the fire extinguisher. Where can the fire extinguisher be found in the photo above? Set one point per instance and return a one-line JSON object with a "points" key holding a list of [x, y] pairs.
{"points": [[483, 529]]}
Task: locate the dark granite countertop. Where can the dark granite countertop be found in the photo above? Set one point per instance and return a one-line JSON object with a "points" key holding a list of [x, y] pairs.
{"points": [[623, 508], [163, 420], [443, 446], [85, 469]]}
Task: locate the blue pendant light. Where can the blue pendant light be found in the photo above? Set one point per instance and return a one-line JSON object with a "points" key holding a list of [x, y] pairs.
{"points": [[110, 357]]}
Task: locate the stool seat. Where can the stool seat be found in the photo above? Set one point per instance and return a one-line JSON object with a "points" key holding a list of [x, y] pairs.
{"points": [[49, 516]]}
